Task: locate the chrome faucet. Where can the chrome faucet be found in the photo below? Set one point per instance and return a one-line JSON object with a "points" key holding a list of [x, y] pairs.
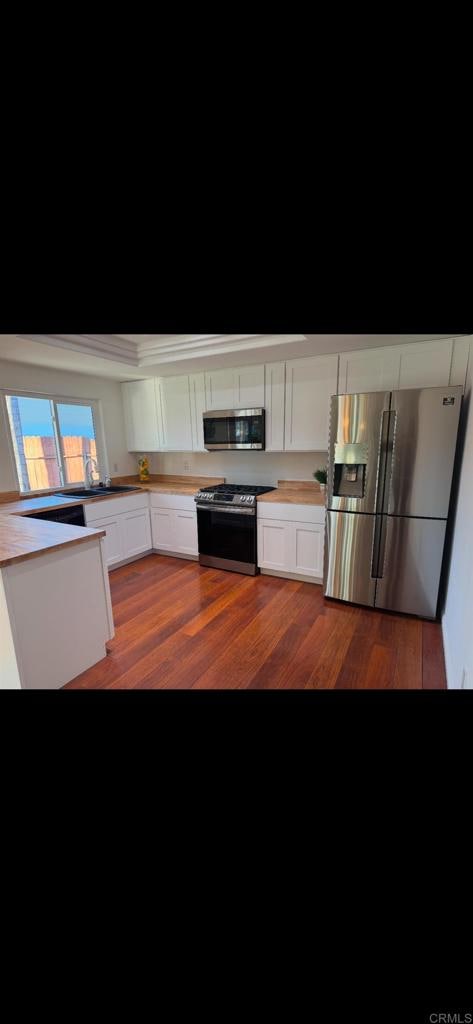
{"points": [[89, 479]]}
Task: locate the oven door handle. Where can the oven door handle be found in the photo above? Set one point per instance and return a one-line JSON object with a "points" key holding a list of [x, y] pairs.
{"points": [[224, 508]]}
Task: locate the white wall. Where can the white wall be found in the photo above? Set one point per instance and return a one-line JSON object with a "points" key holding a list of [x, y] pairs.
{"points": [[457, 620], [69, 385], [242, 467]]}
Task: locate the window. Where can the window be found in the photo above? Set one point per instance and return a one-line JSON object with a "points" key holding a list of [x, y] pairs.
{"points": [[51, 439]]}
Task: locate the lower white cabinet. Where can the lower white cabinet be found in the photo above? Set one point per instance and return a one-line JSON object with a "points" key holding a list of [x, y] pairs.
{"points": [[126, 524], [113, 540], [127, 535], [291, 539], [174, 528]]}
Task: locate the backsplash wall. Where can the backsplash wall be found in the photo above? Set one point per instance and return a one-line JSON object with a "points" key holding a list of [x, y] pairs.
{"points": [[241, 467]]}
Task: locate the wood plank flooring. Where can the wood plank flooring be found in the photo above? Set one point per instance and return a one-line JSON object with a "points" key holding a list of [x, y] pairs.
{"points": [[180, 626]]}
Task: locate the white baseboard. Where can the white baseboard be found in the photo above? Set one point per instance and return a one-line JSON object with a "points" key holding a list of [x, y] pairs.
{"points": [[292, 576]]}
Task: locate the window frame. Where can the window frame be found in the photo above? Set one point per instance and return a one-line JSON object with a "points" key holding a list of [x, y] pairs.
{"points": [[97, 419]]}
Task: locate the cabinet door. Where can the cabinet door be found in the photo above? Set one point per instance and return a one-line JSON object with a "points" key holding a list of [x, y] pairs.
{"points": [[136, 533], [425, 364], [113, 540], [274, 545], [310, 383], [308, 549], [141, 416], [185, 532], [275, 375], [175, 405], [248, 387], [374, 369], [162, 528], [219, 390], [198, 407], [461, 350]]}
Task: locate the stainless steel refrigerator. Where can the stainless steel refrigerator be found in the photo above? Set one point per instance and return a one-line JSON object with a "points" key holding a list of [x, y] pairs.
{"points": [[391, 458]]}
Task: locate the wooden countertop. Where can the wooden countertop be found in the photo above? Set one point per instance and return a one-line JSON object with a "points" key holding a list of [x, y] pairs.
{"points": [[295, 492], [167, 483], [22, 537]]}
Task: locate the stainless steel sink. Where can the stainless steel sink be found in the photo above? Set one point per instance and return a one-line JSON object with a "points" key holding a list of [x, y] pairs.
{"points": [[94, 492]]}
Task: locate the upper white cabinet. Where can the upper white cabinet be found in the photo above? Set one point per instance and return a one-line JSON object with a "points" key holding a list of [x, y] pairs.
{"points": [[420, 364], [248, 387], [374, 369], [219, 389], [274, 397], [240, 388], [461, 350], [198, 407], [141, 416], [425, 365], [309, 386], [174, 409]]}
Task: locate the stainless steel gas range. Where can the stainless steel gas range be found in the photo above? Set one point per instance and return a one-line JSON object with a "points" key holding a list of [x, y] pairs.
{"points": [[226, 523]]}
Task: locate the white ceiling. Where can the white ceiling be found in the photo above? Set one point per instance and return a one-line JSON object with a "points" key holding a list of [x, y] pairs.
{"points": [[133, 356]]}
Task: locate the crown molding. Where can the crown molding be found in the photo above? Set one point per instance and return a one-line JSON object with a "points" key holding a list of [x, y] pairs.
{"points": [[152, 350], [105, 346]]}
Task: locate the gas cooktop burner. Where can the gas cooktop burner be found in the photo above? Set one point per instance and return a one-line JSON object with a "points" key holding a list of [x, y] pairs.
{"points": [[236, 494], [239, 489]]}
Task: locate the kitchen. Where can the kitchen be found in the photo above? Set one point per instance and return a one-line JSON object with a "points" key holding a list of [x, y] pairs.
{"points": [[216, 568]]}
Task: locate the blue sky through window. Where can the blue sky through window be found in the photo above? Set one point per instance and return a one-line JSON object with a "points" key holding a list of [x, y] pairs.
{"points": [[35, 414]]}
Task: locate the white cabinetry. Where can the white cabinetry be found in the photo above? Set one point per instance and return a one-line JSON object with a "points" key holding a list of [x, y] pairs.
{"points": [[126, 523], [113, 540], [174, 408], [240, 388], [219, 389], [141, 415], [174, 524], [248, 387], [198, 407], [274, 396], [375, 369], [423, 364], [309, 386], [162, 528], [291, 539]]}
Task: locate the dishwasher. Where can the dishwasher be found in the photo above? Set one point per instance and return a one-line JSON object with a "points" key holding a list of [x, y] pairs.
{"points": [[73, 516]]}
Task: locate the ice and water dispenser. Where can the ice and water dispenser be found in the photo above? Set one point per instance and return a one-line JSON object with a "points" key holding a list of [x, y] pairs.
{"points": [[349, 470]]}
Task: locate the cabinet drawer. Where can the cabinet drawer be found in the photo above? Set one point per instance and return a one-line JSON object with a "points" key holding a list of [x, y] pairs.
{"points": [[291, 513], [115, 506], [178, 501]]}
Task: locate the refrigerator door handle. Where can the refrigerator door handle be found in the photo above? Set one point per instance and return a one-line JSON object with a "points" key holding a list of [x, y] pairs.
{"points": [[379, 547], [389, 458], [382, 459]]}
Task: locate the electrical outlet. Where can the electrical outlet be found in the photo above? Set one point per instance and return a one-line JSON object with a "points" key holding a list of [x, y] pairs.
{"points": [[186, 466], [115, 467], [464, 682]]}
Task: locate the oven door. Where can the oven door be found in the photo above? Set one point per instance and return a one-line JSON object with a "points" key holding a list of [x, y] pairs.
{"points": [[227, 538], [234, 429]]}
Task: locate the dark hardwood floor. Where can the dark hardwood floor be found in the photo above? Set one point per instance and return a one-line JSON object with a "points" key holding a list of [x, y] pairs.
{"points": [[179, 625]]}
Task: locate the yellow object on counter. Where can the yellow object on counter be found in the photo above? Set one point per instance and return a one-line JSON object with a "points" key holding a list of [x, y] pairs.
{"points": [[143, 463]]}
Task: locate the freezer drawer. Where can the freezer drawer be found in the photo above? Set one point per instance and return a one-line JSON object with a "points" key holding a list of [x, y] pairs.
{"points": [[349, 538], [411, 566]]}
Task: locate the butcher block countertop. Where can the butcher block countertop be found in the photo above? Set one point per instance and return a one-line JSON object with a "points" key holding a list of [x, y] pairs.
{"points": [[295, 492], [166, 483], [22, 537]]}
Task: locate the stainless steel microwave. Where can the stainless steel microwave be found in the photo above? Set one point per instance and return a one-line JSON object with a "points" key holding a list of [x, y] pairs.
{"points": [[234, 429]]}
